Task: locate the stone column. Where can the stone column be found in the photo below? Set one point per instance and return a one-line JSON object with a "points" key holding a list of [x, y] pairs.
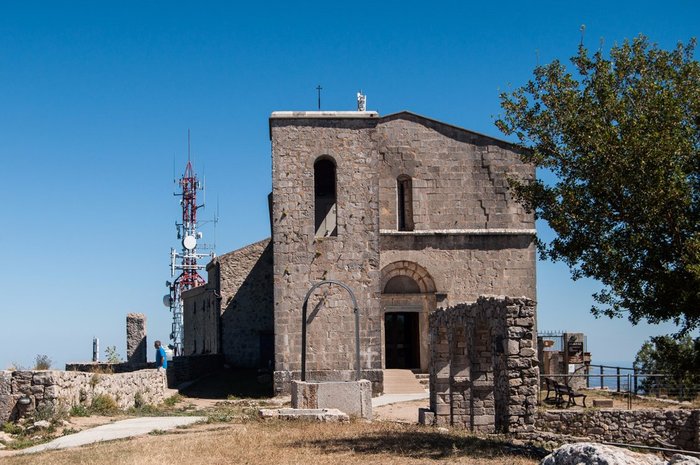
{"points": [[136, 349]]}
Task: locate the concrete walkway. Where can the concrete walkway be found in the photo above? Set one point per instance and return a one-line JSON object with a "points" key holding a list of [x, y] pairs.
{"points": [[386, 399], [117, 430]]}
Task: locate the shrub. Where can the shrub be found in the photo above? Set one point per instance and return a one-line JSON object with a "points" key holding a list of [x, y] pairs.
{"points": [[79, 411], [42, 362], [103, 404], [138, 400], [172, 400], [11, 428], [112, 355]]}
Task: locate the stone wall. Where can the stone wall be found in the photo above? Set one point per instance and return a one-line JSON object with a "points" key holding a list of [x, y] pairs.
{"points": [[232, 314], [302, 259], [191, 367], [55, 389], [678, 428], [484, 371], [466, 266], [245, 284], [200, 319], [459, 177]]}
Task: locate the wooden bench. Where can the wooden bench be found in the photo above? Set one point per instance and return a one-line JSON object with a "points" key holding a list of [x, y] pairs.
{"points": [[551, 387], [564, 390]]}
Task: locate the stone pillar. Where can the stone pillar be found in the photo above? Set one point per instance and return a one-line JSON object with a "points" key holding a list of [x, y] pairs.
{"points": [[136, 349]]}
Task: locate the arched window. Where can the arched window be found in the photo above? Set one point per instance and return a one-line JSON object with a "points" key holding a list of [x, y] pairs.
{"points": [[404, 203], [325, 210]]}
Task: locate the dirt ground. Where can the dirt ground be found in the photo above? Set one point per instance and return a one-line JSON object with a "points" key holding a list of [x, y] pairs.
{"points": [[403, 412]]}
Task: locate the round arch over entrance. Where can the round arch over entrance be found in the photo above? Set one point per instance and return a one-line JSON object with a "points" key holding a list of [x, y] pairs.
{"points": [[408, 296], [411, 269]]}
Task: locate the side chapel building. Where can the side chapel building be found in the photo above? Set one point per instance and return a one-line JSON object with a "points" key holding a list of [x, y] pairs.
{"points": [[411, 213]]}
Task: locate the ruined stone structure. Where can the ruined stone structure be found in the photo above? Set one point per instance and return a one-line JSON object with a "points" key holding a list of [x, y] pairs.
{"points": [[136, 348], [484, 372], [54, 390], [411, 213]]}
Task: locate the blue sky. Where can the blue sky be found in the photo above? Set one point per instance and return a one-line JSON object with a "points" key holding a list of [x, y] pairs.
{"points": [[97, 97]]}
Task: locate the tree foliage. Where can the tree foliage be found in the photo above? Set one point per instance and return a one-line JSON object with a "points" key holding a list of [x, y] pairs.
{"points": [[679, 358], [621, 137]]}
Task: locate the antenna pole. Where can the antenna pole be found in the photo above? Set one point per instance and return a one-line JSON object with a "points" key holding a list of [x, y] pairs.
{"points": [[186, 260], [319, 88]]}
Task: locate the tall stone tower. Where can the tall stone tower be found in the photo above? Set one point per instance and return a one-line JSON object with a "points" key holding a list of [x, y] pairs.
{"points": [[325, 225]]}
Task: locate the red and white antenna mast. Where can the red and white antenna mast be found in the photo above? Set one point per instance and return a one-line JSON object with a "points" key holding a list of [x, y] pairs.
{"points": [[185, 261]]}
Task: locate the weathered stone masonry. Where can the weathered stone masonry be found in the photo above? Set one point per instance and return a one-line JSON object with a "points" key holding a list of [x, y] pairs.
{"points": [[302, 259], [55, 389], [415, 215], [679, 428], [232, 314], [484, 372]]}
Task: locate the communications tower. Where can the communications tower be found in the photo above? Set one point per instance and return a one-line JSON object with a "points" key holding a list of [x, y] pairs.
{"points": [[185, 261]]}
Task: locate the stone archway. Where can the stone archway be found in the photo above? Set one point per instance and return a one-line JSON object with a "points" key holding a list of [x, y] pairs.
{"points": [[408, 296]]}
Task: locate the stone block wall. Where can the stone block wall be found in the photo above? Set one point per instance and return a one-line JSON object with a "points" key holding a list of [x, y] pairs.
{"points": [[353, 398], [459, 177], [301, 259], [679, 428], [201, 320], [245, 286], [484, 371], [232, 314], [191, 367], [64, 389], [466, 266]]}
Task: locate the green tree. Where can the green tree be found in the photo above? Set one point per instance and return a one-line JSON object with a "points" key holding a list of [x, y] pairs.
{"points": [[621, 137], [679, 358], [112, 355]]}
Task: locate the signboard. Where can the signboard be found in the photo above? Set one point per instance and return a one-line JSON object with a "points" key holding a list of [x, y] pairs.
{"points": [[575, 352]]}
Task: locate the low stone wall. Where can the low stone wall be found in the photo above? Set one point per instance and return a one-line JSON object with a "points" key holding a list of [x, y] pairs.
{"points": [[53, 389], [679, 428], [190, 367], [106, 367]]}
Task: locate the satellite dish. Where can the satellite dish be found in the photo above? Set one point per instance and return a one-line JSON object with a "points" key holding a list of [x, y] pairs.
{"points": [[167, 300], [189, 242]]}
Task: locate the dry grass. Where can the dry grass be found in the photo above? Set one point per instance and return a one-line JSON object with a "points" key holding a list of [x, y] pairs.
{"points": [[283, 443], [620, 400]]}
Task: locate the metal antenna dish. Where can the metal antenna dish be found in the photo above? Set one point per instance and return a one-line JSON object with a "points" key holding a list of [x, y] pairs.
{"points": [[189, 242], [167, 301]]}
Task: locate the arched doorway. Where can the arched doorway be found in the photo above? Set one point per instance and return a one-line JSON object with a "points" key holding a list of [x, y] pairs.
{"points": [[408, 295]]}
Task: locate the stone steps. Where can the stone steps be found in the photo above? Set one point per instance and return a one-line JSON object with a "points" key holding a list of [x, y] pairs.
{"points": [[423, 378], [402, 382]]}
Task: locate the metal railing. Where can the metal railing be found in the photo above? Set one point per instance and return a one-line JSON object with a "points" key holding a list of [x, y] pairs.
{"points": [[629, 384]]}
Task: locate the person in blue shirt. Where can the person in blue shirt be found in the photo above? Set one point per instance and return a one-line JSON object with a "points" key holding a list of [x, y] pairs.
{"points": [[161, 359]]}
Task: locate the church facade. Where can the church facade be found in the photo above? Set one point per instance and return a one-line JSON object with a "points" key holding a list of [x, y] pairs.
{"points": [[410, 213]]}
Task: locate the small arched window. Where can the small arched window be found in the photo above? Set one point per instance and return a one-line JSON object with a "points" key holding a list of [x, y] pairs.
{"points": [[325, 210], [404, 203]]}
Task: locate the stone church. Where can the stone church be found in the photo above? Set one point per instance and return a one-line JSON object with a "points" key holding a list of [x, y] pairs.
{"points": [[412, 214]]}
